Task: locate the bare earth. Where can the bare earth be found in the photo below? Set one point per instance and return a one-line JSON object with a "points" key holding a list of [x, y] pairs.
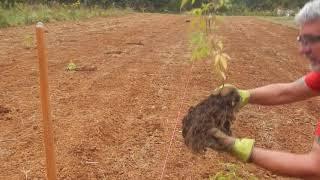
{"points": [[123, 120]]}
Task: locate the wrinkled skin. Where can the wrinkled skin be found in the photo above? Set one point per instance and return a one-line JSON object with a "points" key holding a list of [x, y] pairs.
{"points": [[311, 50]]}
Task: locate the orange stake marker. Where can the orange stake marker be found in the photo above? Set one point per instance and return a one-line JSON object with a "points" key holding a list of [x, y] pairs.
{"points": [[45, 106]]}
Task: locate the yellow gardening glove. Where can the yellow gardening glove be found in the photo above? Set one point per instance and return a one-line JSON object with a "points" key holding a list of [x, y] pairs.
{"points": [[244, 94], [240, 148]]}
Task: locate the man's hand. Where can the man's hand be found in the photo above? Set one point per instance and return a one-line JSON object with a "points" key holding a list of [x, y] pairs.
{"points": [[244, 94], [240, 148]]}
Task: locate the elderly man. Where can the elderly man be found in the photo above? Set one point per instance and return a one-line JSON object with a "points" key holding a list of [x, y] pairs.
{"points": [[306, 166]]}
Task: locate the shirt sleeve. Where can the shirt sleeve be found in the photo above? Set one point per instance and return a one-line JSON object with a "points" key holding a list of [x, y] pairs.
{"points": [[313, 81], [317, 132]]}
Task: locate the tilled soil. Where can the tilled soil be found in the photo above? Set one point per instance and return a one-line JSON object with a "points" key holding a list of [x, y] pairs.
{"points": [[122, 120]]}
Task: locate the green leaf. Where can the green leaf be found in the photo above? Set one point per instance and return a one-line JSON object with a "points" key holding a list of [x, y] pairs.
{"points": [[223, 75], [220, 45], [202, 25], [220, 64], [71, 67], [216, 61], [197, 11], [223, 63], [183, 3], [226, 56]]}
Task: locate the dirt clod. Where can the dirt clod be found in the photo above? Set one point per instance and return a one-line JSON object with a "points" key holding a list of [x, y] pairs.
{"points": [[86, 68], [135, 43], [4, 110], [216, 111], [114, 52]]}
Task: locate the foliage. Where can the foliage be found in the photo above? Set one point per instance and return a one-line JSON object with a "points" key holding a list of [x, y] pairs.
{"points": [[204, 41], [28, 42], [231, 172], [169, 5], [269, 4], [216, 6], [201, 47], [27, 14], [71, 66]]}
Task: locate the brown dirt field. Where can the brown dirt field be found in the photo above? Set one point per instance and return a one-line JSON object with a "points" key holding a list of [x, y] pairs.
{"points": [[117, 122]]}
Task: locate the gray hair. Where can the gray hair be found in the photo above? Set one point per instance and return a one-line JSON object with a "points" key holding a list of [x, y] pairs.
{"points": [[310, 12]]}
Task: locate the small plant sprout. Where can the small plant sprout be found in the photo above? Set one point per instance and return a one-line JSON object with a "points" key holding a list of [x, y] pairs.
{"points": [[25, 172], [143, 9], [207, 45], [71, 66], [232, 171], [28, 41]]}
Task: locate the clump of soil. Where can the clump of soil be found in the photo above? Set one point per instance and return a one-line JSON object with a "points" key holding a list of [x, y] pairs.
{"points": [[86, 68], [216, 111], [4, 110], [3, 113]]}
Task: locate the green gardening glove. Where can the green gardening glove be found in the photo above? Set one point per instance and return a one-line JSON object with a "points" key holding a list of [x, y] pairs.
{"points": [[244, 94], [240, 148]]}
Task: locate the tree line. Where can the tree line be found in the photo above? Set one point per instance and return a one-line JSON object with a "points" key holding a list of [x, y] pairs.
{"points": [[270, 4], [169, 5]]}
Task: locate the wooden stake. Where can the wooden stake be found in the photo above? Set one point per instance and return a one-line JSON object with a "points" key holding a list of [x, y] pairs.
{"points": [[45, 106]]}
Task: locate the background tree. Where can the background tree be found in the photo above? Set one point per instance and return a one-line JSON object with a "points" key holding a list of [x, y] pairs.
{"points": [[171, 5]]}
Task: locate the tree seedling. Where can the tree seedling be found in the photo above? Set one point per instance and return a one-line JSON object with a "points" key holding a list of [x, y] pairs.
{"points": [[71, 66], [204, 41]]}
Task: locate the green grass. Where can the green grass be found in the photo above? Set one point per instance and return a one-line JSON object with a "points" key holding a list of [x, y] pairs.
{"points": [[286, 21], [24, 14]]}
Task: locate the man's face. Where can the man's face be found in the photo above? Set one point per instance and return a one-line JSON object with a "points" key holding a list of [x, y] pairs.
{"points": [[309, 39]]}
